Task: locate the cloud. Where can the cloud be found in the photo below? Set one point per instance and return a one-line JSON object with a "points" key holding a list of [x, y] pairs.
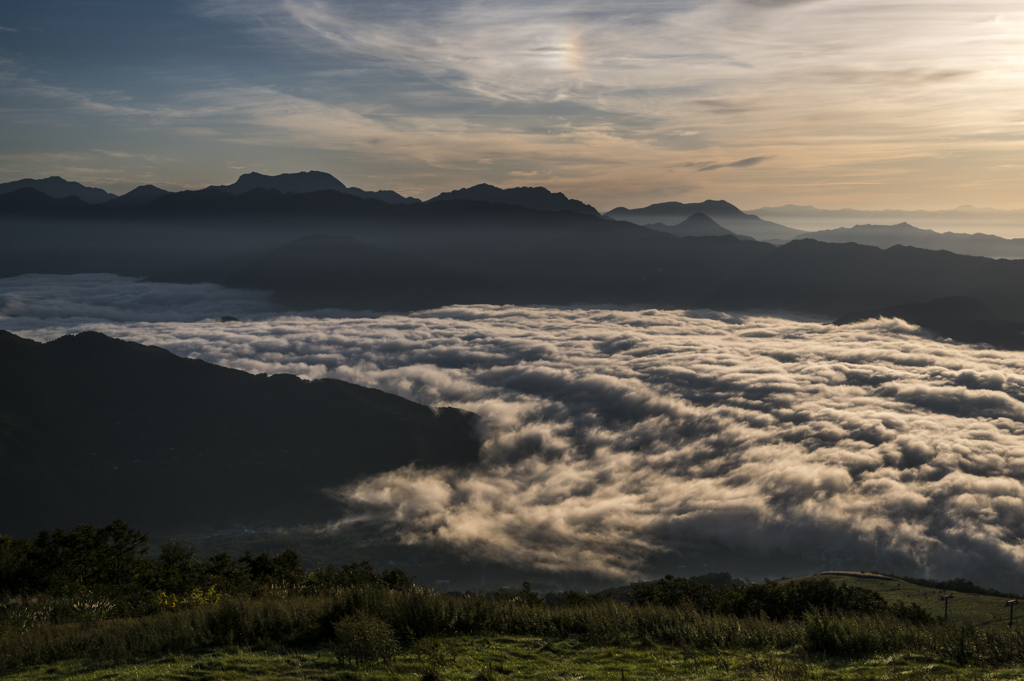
{"points": [[614, 436], [859, 102], [846, 92], [31, 298], [744, 163], [775, 4]]}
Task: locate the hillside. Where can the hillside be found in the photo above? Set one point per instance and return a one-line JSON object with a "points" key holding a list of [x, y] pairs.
{"points": [[980, 609], [93, 428], [836, 279]]}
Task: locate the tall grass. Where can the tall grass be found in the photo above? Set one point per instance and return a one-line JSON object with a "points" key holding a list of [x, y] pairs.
{"points": [[415, 614]]}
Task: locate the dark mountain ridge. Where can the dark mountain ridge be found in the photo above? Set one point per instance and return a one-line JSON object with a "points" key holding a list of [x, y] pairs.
{"points": [[963, 319], [835, 279], [305, 182], [537, 198], [59, 188], [709, 207], [140, 195], [95, 428]]}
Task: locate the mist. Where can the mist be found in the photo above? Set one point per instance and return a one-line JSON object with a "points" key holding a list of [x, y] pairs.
{"points": [[612, 437]]}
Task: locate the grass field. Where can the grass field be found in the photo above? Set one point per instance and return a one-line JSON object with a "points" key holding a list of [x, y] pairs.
{"points": [[978, 609], [760, 631], [511, 658]]}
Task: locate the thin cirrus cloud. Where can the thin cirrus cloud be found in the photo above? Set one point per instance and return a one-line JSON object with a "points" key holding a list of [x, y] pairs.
{"points": [[742, 163], [860, 89], [613, 436]]}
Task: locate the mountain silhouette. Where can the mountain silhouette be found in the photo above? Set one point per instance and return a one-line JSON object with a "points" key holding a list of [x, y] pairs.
{"points": [[96, 428], [32, 202], [59, 188], [309, 181], [679, 210], [722, 212], [387, 257], [537, 198], [697, 224], [959, 219], [963, 319], [141, 195], [903, 234]]}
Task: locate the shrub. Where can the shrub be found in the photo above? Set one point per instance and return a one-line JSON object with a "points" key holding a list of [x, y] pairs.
{"points": [[364, 638]]}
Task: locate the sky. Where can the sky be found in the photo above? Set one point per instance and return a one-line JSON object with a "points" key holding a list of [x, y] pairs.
{"points": [[611, 437], [870, 104]]}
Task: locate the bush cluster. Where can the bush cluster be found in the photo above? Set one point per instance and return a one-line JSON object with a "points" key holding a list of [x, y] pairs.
{"points": [[93, 573], [774, 600]]}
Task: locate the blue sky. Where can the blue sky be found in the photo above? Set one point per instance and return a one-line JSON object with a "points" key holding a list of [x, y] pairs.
{"points": [[834, 103]]}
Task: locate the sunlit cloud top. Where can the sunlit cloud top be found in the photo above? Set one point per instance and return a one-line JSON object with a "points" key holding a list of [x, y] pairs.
{"points": [[835, 103]]}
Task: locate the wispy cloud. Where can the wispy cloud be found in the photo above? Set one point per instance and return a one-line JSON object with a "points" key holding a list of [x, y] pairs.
{"points": [[743, 163], [849, 85], [893, 104]]}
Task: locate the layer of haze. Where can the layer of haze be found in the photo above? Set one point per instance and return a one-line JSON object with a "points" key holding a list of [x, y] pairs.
{"points": [[835, 103], [614, 435]]}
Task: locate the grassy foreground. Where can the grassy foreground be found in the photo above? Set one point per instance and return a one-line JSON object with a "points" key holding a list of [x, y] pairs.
{"points": [[497, 658], [88, 604]]}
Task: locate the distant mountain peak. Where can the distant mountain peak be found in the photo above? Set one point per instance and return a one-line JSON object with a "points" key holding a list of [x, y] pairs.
{"points": [[305, 182], [299, 183], [536, 198], [710, 207], [141, 195], [694, 225], [721, 212], [59, 188], [699, 219]]}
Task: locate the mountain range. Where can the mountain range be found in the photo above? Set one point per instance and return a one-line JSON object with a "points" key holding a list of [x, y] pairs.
{"points": [[670, 217], [327, 248], [963, 219], [59, 188], [903, 234], [105, 429]]}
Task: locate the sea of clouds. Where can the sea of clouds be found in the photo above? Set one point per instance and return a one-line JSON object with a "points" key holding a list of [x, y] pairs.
{"points": [[611, 436]]}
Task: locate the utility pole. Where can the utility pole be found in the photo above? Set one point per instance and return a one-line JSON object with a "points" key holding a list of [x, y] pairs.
{"points": [[1011, 603], [946, 599]]}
